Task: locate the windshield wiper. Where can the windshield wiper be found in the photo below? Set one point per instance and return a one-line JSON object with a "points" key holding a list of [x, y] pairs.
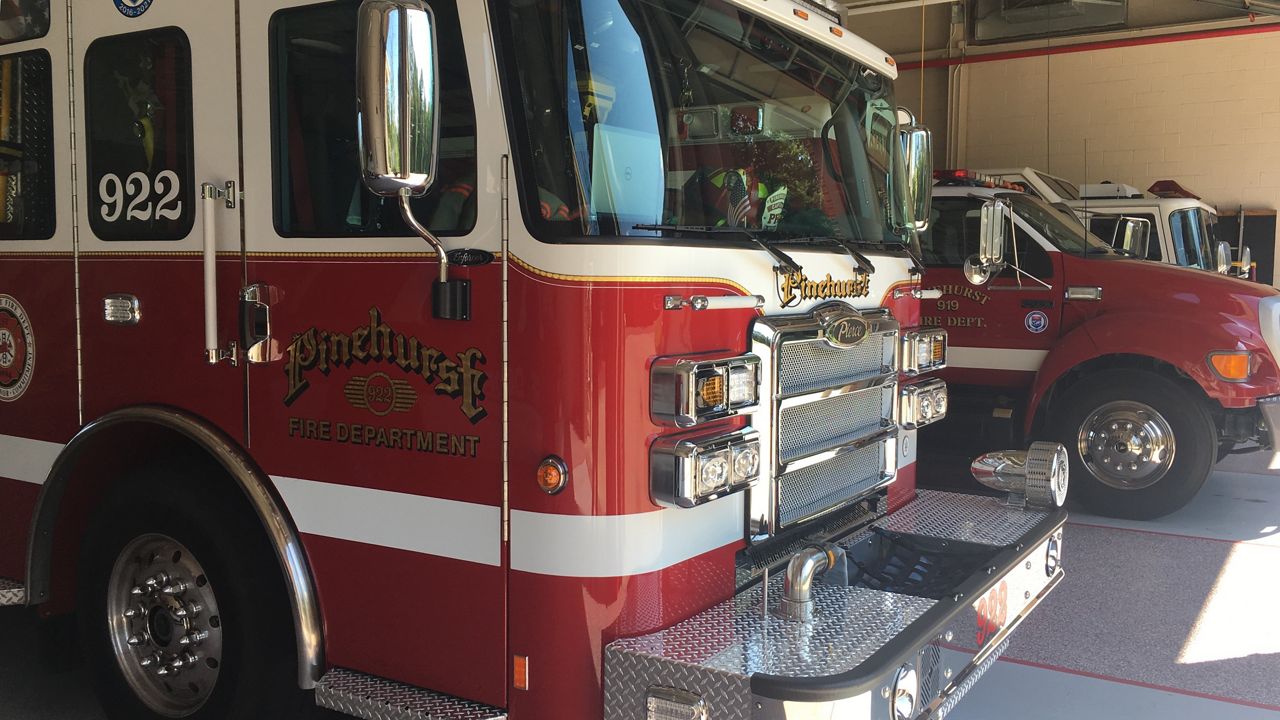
{"points": [[863, 262], [785, 261]]}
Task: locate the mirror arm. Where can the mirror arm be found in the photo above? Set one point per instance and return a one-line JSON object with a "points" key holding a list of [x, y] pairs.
{"points": [[407, 213]]}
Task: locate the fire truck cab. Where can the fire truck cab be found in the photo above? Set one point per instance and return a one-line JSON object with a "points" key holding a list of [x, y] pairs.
{"points": [[1147, 373], [524, 358], [1182, 227]]}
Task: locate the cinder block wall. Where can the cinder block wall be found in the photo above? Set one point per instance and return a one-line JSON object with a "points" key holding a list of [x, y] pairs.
{"points": [[1205, 112]]}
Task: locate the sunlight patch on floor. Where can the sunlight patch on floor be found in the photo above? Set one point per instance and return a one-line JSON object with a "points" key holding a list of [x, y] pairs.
{"points": [[1238, 618]]}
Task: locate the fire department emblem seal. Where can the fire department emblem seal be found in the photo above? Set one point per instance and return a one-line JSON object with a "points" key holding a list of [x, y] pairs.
{"points": [[132, 8], [1037, 322], [17, 349]]}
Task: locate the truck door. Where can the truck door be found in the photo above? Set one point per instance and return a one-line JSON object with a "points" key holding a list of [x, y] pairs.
{"points": [[380, 425], [999, 333], [156, 119]]}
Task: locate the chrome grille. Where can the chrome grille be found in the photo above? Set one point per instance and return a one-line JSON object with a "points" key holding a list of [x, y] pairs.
{"points": [[829, 414], [814, 489], [810, 365], [830, 422]]}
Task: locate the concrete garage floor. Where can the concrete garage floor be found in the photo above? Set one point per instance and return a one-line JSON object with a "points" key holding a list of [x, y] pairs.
{"points": [[1168, 619]]}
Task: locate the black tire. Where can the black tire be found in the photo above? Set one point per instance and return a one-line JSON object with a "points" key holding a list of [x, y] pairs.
{"points": [[256, 673], [1184, 414]]}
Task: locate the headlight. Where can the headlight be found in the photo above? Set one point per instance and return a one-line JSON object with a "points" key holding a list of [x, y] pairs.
{"points": [[923, 404], [686, 391], [688, 471], [924, 350]]}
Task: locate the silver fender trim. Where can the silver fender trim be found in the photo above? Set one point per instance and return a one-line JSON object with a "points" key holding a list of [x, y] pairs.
{"points": [[257, 487]]}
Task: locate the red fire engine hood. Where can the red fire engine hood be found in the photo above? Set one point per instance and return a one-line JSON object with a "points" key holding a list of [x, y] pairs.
{"points": [[1144, 283], [1179, 315]]}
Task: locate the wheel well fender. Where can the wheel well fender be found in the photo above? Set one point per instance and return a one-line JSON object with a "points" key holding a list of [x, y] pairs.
{"points": [[1112, 338], [110, 447], [1116, 361]]}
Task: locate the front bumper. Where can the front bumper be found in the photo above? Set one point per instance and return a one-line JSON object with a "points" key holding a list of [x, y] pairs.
{"points": [[743, 661], [1269, 407]]}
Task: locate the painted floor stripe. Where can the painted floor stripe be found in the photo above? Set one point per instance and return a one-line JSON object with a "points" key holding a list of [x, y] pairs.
{"points": [[448, 528], [995, 358], [27, 460], [1016, 689]]}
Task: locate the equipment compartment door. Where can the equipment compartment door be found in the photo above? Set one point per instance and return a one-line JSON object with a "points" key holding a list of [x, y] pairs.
{"points": [[380, 425], [156, 117], [38, 404]]}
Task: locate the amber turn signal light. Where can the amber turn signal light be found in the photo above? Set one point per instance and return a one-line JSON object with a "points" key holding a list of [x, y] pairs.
{"points": [[1232, 366], [553, 475]]}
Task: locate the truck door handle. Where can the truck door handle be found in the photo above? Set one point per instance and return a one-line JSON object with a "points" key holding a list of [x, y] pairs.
{"points": [[210, 194], [1037, 304], [255, 323]]}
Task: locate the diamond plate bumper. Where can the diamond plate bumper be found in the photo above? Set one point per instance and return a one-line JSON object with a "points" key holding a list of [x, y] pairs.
{"points": [[750, 664], [375, 698], [12, 593]]}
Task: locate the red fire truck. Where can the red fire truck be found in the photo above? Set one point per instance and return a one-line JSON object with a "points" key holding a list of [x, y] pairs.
{"points": [[527, 358], [1148, 373]]}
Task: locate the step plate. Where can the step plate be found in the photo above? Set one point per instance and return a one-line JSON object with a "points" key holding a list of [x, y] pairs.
{"points": [[12, 593], [375, 698]]}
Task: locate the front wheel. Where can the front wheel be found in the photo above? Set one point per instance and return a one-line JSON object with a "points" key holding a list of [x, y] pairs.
{"points": [[1140, 445], [181, 606]]}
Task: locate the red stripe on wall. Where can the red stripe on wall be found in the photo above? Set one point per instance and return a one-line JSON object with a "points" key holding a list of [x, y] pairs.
{"points": [[1085, 47]]}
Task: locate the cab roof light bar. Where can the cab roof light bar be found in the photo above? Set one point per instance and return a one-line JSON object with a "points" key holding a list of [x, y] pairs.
{"points": [[829, 9], [1171, 189], [969, 178]]}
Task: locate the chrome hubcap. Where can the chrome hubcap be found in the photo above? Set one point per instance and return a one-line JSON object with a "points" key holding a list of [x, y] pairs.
{"points": [[1126, 445], [164, 625]]}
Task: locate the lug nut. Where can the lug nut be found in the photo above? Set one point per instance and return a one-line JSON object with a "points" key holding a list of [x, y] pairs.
{"points": [[188, 610], [194, 637], [137, 639], [175, 588], [147, 661]]}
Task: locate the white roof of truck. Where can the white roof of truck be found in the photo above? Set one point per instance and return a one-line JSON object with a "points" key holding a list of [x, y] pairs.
{"points": [[817, 27]]}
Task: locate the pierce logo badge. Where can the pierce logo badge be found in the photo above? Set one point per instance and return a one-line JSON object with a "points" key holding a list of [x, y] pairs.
{"points": [[17, 349], [132, 8], [1037, 322], [845, 332]]}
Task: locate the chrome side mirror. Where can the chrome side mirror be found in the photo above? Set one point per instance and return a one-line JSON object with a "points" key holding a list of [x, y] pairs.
{"points": [[993, 231], [398, 96], [1224, 257], [1246, 262], [1133, 236], [398, 99], [917, 155]]}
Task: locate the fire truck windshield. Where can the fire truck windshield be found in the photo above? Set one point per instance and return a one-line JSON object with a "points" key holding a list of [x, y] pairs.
{"points": [[696, 114], [1193, 232], [1063, 230]]}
